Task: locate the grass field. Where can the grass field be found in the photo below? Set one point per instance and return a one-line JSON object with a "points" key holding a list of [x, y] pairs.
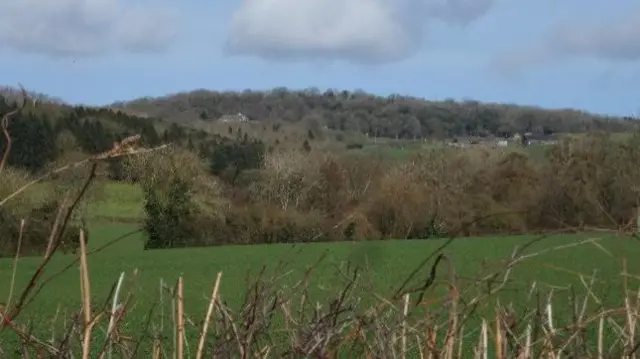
{"points": [[389, 262], [396, 150], [119, 201]]}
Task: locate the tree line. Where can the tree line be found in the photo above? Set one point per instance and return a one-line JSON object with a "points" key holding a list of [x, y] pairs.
{"points": [[394, 116], [248, 195], [42, 135], [210, 189]]}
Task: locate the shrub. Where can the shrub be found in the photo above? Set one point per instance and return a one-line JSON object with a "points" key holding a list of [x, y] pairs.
{"points": [[264, 224], [286, 179], [590, 181], [293, 196], [230, 159], [182, 202], [328, 193], [34, 237], [168, 216], [398, 207], [37, 206]]}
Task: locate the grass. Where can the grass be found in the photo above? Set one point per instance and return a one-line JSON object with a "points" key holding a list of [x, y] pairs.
{"points": [[117, 200], [393, 149], [398, 150], [562, 270], [110, 201], [390, 262]]}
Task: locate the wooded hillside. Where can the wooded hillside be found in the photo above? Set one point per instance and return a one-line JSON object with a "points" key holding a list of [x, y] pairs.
{"points": [[393, 116], [45, 132]]}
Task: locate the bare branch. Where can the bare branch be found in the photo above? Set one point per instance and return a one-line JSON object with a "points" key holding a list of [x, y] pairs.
{"points": [[5, 127]]}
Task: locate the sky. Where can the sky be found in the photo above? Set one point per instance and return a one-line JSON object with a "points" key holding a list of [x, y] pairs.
{"points": [[581, 54]]}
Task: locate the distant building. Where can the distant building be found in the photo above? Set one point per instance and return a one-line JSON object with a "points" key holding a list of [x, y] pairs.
{"points": [[517, 137], [239, 117], [545, 139], [457, 144]]}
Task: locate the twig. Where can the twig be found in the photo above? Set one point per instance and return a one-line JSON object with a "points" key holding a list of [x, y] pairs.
{"points": [[5, 128], [86, 297], [179, 320], [15, 311], [205, 325], [114, 307], [75, 165], [15, 265], [405, 311]]}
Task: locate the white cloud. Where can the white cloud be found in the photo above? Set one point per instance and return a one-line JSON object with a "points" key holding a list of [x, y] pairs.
{"points": [[460, 12], [85, 27], [365, 31], [610, 39], [614, 39]]}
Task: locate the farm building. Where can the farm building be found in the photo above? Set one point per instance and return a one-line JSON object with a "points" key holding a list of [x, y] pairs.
{"points": [[239, 117]]}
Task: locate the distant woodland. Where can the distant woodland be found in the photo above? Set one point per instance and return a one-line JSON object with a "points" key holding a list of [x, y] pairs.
{"points": [[393, 116], [52, 131]]}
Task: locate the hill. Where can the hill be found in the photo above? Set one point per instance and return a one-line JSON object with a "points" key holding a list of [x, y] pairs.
{"points": [[48, 130], [289, 200], [393, 116]]}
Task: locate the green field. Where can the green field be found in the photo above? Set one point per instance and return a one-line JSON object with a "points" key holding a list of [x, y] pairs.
{"points": [[397, 150], [389, 262], [119, 201]]}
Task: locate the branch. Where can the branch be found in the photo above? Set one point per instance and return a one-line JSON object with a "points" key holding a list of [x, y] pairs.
{"points": [[5, 127], [106, 155]]}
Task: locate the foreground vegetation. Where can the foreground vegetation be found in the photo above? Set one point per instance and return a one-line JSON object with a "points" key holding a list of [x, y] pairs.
{"points": [[422, 292], [569, 271]]}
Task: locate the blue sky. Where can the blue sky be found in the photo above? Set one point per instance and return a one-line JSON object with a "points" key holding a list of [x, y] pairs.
{"points": [[570, 53]]}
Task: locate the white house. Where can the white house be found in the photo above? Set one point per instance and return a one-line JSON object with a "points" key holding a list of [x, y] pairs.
{"points": [[239, 117]]}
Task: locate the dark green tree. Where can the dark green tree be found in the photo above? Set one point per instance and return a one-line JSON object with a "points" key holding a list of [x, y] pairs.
{"points": [[168, 215], [235, 157]]}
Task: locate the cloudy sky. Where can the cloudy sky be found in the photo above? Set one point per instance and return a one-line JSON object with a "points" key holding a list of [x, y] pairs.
{"points": [[551, 53]]}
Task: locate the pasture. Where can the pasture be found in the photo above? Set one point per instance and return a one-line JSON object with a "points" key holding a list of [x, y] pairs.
{"points": [[560, 263], [389, 262], [394, 150]]}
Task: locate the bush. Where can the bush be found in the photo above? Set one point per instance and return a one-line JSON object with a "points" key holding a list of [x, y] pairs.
{"points": [[168, 216], [38, 206], [259, 224], [293, 196], [230, 159], [286, 178], [39, 223], [590, 181], [182, 202]]}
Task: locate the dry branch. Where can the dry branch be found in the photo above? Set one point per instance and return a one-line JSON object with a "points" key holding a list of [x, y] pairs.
{"points": [[5, 128]]}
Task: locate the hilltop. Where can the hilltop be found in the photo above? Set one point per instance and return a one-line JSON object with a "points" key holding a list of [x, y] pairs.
{"points": [[394, 116]]}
